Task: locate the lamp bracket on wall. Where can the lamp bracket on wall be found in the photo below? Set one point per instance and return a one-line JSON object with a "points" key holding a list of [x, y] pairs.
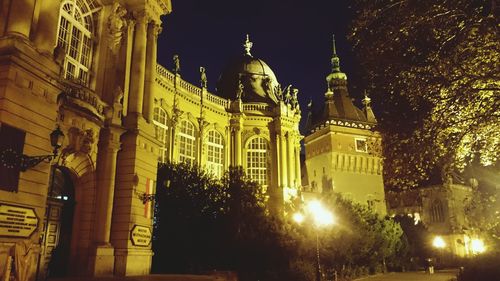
{"points": [[11, 159]]}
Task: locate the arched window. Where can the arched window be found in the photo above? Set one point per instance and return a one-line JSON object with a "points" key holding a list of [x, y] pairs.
{"points": [[75, 38], [186, 142], [215, 153], [437, 211], [257, 150], [161, 129]]}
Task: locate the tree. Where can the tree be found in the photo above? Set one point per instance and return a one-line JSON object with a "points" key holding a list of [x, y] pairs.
{"points": [[482, 208], [204, 224], [432, 67], [416, 237], [360, 241]]}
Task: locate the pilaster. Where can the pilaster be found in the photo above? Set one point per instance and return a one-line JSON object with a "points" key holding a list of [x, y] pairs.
{"points": [[102, 253], [148, 106], [47, 20], [135, 176], [138, 68], [20, 18]]}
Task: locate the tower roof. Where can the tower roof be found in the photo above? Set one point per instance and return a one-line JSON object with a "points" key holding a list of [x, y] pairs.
{"points": [[338, 104]]}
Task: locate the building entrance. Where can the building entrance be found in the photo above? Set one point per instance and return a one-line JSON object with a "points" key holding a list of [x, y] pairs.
{"points": [[58, 224]]}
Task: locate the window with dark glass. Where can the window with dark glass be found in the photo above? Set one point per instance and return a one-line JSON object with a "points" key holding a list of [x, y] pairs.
{"points": [[11, 146]]}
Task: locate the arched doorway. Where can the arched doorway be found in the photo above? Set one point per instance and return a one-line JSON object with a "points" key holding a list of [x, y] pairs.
{"points": [[58, 224]]}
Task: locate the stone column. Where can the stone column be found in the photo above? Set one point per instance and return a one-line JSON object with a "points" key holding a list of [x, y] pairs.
{"points": [[238, 146], [102, 259], [283, 160], [227, 148], [148, 107], [128, 64], [45, 37], [138, 68], [278, 163], [289, 157], [20, 17], [298, 175]]}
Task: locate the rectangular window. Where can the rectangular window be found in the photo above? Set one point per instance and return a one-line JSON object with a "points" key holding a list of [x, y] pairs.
{"points": [[361, 145], [11, 146]]}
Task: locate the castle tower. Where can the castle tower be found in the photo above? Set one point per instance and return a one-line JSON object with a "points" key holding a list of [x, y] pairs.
{"points": [[343, 151]]}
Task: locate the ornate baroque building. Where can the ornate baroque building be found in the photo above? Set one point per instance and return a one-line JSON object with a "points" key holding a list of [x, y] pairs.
{"points": [[343, 152], [87, 69]]}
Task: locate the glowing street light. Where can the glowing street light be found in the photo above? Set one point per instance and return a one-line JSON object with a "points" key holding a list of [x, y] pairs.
{"points": [[321, 217], [477, 246], [438, 242], [298, 218]]}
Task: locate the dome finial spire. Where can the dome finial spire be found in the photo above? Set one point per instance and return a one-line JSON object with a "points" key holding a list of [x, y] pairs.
{"points": [[333, 44], [335, 58], [248, 46]]}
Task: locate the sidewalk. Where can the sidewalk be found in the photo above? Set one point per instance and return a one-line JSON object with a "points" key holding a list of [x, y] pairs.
{"points": [[440, 275], [152, 277]]}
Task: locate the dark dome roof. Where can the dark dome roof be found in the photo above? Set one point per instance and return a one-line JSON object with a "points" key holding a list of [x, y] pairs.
{"points": [[257, 79]]}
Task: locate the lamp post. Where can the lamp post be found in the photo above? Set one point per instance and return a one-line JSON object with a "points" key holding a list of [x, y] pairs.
{"points": [[438, 243], [321, 218]]}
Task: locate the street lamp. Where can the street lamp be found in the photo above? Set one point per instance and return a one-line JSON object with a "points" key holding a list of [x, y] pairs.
{"points": [[439, 244], [477, 246], [322, 218]]}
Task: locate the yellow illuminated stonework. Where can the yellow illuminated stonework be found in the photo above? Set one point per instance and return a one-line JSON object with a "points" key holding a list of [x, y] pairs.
{"points": [[343, 150], [90, 67]]}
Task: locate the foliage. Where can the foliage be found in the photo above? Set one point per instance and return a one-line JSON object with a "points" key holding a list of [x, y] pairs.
{"points": [[483, 207], [360, 241], [204, 224], [432, 68], [417, 246]]}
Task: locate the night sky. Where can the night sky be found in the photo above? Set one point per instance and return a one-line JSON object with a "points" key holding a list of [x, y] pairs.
{"points": [[293, 37]]}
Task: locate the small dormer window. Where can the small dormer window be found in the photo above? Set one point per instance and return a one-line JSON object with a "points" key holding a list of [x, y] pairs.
{"points": [[361, 145]]}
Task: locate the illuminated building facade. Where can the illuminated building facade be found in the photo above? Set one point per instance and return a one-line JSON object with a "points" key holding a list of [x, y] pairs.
{"points": [[441, 208], [343, 151], [88, 67]]}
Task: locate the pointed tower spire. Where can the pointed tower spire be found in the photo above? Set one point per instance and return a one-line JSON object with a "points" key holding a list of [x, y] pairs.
{"points": [[248, 46], [370, 116], [335, 58]]}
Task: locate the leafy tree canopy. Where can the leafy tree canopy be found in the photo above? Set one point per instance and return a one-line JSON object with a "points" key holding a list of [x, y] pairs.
{"points": [[432, 68]]}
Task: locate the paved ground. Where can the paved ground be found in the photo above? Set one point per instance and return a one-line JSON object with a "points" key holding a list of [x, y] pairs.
{"points": [[442, 275], [152, 277]]}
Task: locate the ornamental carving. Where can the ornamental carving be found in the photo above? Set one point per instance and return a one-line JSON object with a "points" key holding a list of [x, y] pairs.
{"points": [[80, 141], [116, 27]]}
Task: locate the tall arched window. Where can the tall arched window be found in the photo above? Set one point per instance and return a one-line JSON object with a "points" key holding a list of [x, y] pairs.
{"points": [[257, 150], [215, 153], [187, 142], [75, 38], [437, 211], [161, 128]]}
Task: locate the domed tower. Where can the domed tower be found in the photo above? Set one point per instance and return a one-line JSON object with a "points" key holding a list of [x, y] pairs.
{"points": [[264, 126], [343, 151]]}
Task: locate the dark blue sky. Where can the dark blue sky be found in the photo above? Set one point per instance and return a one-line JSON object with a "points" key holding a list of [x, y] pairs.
{"points": [[293, 37]]}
